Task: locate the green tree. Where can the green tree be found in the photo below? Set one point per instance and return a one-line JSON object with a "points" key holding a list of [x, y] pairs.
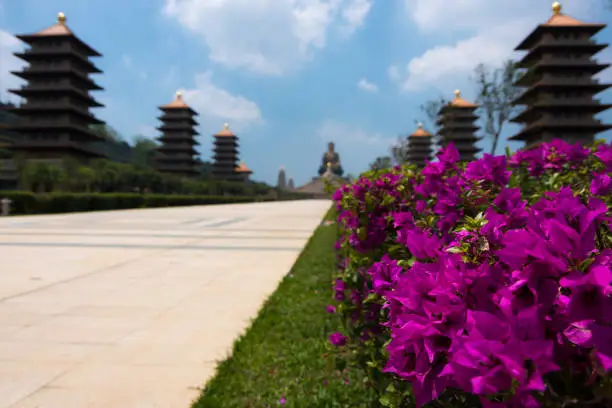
{"points": [[429, 114], [143, 151], [399, 150], [106, 175], [205, 168], [43, 177], [56, 177], [71, 167], [86, 177], [381, 162], [496, 91], [107, 132]]}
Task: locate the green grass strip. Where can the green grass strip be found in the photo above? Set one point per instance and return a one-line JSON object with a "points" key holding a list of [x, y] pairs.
{"points": [[281, 360]]}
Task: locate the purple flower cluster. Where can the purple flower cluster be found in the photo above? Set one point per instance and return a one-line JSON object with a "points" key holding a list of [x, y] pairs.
{"points": [[488, 278]]}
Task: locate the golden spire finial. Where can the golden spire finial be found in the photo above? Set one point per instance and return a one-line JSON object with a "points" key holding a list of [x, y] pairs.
{"points": [[420, 125], [61, 18], [457, 93], [556, 8], [179, 95], [226, 126]]}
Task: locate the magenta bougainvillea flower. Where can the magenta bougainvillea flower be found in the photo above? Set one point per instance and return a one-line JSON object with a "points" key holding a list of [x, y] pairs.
{"points": [[488, 278], [337, 339]]}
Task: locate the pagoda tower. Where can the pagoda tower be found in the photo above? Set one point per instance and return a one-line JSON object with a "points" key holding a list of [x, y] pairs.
{"points": [[419, 147], [54, 122], [456, 121], [290, 184], [177, 150], [226, 155], [282, 179], [244, 171], [559, 100]]}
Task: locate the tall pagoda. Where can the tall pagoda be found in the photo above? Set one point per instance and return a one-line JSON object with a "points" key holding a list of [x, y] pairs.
{"points": [[559, 100], [419, 146], [55, 121], [226, 155], [244, 171], [456, 121], [282, 179], [177, 150]]}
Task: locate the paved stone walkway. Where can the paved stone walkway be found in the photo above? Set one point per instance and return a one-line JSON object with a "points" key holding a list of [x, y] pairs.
{"points": [[131, 309]]}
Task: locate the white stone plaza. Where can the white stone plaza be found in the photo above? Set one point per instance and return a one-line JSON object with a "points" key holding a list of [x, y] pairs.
{"points": [[132, 309]]}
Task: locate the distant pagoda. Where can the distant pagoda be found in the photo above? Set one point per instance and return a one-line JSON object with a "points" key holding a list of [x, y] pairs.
{"points": [[290, 184], [54, 122], [456, 121], [225, 155], [419, 146], [559, 99], [282, 179], [244, 171], [177, 150]]}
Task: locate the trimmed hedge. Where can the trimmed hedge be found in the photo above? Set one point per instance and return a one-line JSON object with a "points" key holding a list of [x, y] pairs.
{"points": [[24, 202]]}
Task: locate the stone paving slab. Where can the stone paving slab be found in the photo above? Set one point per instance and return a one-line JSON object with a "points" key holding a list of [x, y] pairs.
{"points": [[133, 308]]}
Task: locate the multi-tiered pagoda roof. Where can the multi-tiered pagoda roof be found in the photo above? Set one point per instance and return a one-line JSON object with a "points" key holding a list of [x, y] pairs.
{"points": [[176, 155], [225, 158], [419, 147], [244, 171], [456, 121], [560, 96], [54, 121]]}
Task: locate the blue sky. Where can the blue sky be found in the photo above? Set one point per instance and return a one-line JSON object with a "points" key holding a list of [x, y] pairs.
{"points": [[289, 75]]}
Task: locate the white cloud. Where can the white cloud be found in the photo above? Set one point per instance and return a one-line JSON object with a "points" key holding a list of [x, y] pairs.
{"points": [[8, 62], [354, 13], [458, 15], [494, 28], [447, 67], [129, 64], [266, 36], [367, 86], [351, 135], [217, 105]]}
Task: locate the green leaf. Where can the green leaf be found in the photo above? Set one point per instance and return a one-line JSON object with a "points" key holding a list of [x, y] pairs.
{"points": [[406, 262], [385, 401], [585, 264], [340, 364]]}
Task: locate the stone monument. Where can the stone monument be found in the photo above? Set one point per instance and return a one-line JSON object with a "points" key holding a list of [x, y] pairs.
{"points": [[331, 156], [330, 171]]}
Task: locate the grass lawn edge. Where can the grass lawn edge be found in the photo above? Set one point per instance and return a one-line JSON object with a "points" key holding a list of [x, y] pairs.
{"points": [[282, 357]]}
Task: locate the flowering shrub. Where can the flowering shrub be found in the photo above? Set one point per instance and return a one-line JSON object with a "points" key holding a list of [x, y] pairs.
{"points": [[481, 284]]}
